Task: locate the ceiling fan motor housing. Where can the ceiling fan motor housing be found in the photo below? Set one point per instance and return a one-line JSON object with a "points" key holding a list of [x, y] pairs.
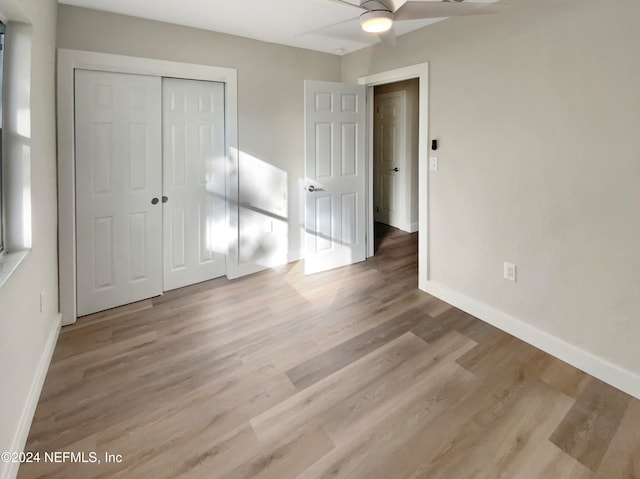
{"points": [[376, 21]]}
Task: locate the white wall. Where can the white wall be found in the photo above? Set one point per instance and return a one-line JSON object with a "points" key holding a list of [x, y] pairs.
{"points": [[537, 112], [270, 113], [26, 334]]}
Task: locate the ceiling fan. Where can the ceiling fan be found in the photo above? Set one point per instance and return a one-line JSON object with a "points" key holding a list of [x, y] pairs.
{"points": [[378, 16]]}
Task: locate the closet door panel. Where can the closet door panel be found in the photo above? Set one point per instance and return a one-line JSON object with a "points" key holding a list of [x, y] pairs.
{"points": [[193, 181], [118, 173]]}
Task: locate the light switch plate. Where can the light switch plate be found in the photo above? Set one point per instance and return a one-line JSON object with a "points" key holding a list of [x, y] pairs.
{"points": [[433, 163]]}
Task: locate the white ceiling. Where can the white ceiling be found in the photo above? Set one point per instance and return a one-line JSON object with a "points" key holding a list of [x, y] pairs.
{"points": [[322, 25]]}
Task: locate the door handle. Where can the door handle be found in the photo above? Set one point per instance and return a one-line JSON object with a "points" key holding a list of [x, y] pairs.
{"points": [[155, 201], [165, 199], [394, 169], [312, 188]]}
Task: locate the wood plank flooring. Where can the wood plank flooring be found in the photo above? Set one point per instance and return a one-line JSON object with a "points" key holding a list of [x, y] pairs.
{"points": [[352, 373]]}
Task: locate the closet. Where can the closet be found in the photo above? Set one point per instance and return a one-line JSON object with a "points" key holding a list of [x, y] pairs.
{"points": [[150, 186]]}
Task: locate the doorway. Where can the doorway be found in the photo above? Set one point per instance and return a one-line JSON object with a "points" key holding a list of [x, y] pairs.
{"points": [[421, 72], [395, 158]]}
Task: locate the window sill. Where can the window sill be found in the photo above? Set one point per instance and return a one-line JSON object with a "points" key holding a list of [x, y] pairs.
{"points": [[9, 263]]}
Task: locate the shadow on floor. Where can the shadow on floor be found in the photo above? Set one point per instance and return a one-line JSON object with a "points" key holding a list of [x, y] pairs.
{"points": [[383, 233]]}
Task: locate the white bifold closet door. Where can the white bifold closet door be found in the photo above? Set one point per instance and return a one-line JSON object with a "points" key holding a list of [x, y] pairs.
{"points": [[118, 174], [193, 181], [150, 186]]}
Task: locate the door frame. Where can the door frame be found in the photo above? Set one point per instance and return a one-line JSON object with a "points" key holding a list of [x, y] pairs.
{"points": [[421, 72], [68, 62]]}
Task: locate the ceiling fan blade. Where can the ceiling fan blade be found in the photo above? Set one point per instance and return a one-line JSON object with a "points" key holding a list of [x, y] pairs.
{"points": [[388, 38], [325, 28], [388, 4], [418, 10], [349, 4]]}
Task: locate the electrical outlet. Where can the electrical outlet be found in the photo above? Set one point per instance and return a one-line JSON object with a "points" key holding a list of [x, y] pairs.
{"points": [[510, 271], [42, 301], [433, 163], [268, 226]]}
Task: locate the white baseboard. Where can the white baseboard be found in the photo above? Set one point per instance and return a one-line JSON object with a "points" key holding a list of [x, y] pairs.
{"points": [[296, 255], [10, 470], [618, 377], [244, 269], [414, 227]]}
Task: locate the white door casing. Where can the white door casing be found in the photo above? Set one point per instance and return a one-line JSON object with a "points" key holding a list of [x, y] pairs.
{"points": [[334, 175], [392, 187], [118, 174], [194, 160], [421, 72]]}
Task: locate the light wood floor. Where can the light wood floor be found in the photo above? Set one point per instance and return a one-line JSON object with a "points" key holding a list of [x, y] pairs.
{"points": [[352, 374]]}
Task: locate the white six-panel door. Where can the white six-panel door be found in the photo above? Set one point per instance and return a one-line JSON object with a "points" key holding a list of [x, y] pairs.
{"points": [[118, 174], [193, 181], [390, 162], [334, 175]]}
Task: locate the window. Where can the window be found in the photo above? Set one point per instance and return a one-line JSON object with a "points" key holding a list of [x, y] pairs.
{"points": [[1, 194], [15, 144]]}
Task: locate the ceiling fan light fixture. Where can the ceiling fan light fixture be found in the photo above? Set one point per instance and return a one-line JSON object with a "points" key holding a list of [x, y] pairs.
{"points": [[376, 21]]}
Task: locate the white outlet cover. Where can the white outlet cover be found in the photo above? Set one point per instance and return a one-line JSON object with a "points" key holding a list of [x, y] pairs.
{"points": [[433, 163], [510, 271]]}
